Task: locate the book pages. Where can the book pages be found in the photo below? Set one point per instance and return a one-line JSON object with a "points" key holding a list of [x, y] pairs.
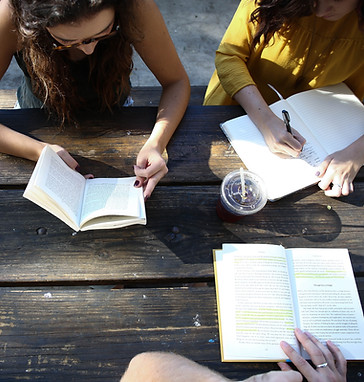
{"points": [[254, 316], [110, 196], [333, 113], [56, 187], [328, 300], [265, 291]]}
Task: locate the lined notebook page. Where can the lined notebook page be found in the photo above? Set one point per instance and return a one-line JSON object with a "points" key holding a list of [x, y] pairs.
{"points": [[333, 114]]}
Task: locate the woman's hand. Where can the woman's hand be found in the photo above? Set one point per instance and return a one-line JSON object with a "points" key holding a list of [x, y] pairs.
{"points": [[330, 362], [150, 169], [279, 140], [338, 170], [67, 158]]}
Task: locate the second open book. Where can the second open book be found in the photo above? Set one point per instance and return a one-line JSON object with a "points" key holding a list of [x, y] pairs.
{"points": [[329, 118], [265, 291], [84, 204]]}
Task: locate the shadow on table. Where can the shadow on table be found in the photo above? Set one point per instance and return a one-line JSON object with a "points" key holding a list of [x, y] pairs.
{"points": [[197, 230], [102, 170], [313, 222]]}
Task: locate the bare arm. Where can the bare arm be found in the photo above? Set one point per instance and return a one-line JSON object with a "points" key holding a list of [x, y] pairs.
{"points": [[167, 367], [8, 37], [11, 142], [17, 144], [158, 52]]}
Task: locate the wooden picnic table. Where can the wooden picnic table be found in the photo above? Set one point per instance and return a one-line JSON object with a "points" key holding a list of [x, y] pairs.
{"points": [[80, 306]]}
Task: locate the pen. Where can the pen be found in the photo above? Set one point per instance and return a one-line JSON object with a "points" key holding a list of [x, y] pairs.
{"points": [[286, 119]]}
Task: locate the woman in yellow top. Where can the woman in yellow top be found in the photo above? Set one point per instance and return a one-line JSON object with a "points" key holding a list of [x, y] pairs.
{"points": [[293, 45]]}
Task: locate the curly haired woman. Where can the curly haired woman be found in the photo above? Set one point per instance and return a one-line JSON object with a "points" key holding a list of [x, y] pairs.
{"points": [[77, 55], [294, 45]]}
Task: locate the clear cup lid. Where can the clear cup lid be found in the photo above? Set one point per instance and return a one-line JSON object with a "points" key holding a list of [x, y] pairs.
{"points": [[251, 200]]}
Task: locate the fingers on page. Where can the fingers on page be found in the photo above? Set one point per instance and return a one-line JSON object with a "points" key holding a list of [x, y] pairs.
{"points": [[340, 361]]}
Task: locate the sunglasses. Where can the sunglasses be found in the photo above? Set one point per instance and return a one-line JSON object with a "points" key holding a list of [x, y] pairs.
{"points": [[61, 47]]}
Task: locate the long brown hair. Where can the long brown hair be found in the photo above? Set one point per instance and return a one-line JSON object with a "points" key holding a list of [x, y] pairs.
{"points": [[273, 15], [110, 65]]}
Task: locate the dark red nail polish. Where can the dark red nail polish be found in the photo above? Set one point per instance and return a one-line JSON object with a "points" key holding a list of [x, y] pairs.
{"points": [[136, 183]]}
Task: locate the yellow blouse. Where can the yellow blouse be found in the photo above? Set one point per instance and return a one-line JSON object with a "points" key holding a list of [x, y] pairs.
{"points": [[311, 54]]}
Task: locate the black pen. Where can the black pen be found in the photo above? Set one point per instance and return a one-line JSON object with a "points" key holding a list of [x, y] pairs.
{"points": [[286, 119]]}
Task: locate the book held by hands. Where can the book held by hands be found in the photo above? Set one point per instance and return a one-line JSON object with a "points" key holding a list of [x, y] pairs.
{"points": [[84, 204], [265, 291], [329, 118]]}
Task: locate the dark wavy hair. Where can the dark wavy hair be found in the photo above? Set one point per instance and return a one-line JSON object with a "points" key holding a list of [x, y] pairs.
{"points": [[273, 15], [110, 65]]}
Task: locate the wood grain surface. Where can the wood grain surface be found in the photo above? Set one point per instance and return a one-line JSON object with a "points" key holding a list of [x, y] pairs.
{"points": [[78, 306]]}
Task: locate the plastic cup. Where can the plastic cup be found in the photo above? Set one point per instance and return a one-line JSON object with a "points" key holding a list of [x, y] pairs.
{"points": [[236, 201]]}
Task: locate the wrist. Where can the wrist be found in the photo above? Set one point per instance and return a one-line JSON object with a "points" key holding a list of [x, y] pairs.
{"points": [[161, 134], [357, 150], [267, 121], [38, 147], [154, 144], [361, 149]]}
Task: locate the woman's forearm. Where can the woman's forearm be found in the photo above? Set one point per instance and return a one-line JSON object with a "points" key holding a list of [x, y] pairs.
{"points": [[172, 106], [255, 106], [20, 145]]}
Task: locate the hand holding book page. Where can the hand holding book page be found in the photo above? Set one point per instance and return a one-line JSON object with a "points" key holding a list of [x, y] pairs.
{"points": [[329, 118], [81, 203], [265, 291]]}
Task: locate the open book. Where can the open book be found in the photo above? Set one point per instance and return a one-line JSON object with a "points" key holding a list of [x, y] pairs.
{"points": [[329, 118], [84, 204], [265, 291]]}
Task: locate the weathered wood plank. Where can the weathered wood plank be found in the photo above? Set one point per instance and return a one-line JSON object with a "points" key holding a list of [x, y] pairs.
{"points": [[108, 145], [182, 229], [68, 334], [7, 98]]}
